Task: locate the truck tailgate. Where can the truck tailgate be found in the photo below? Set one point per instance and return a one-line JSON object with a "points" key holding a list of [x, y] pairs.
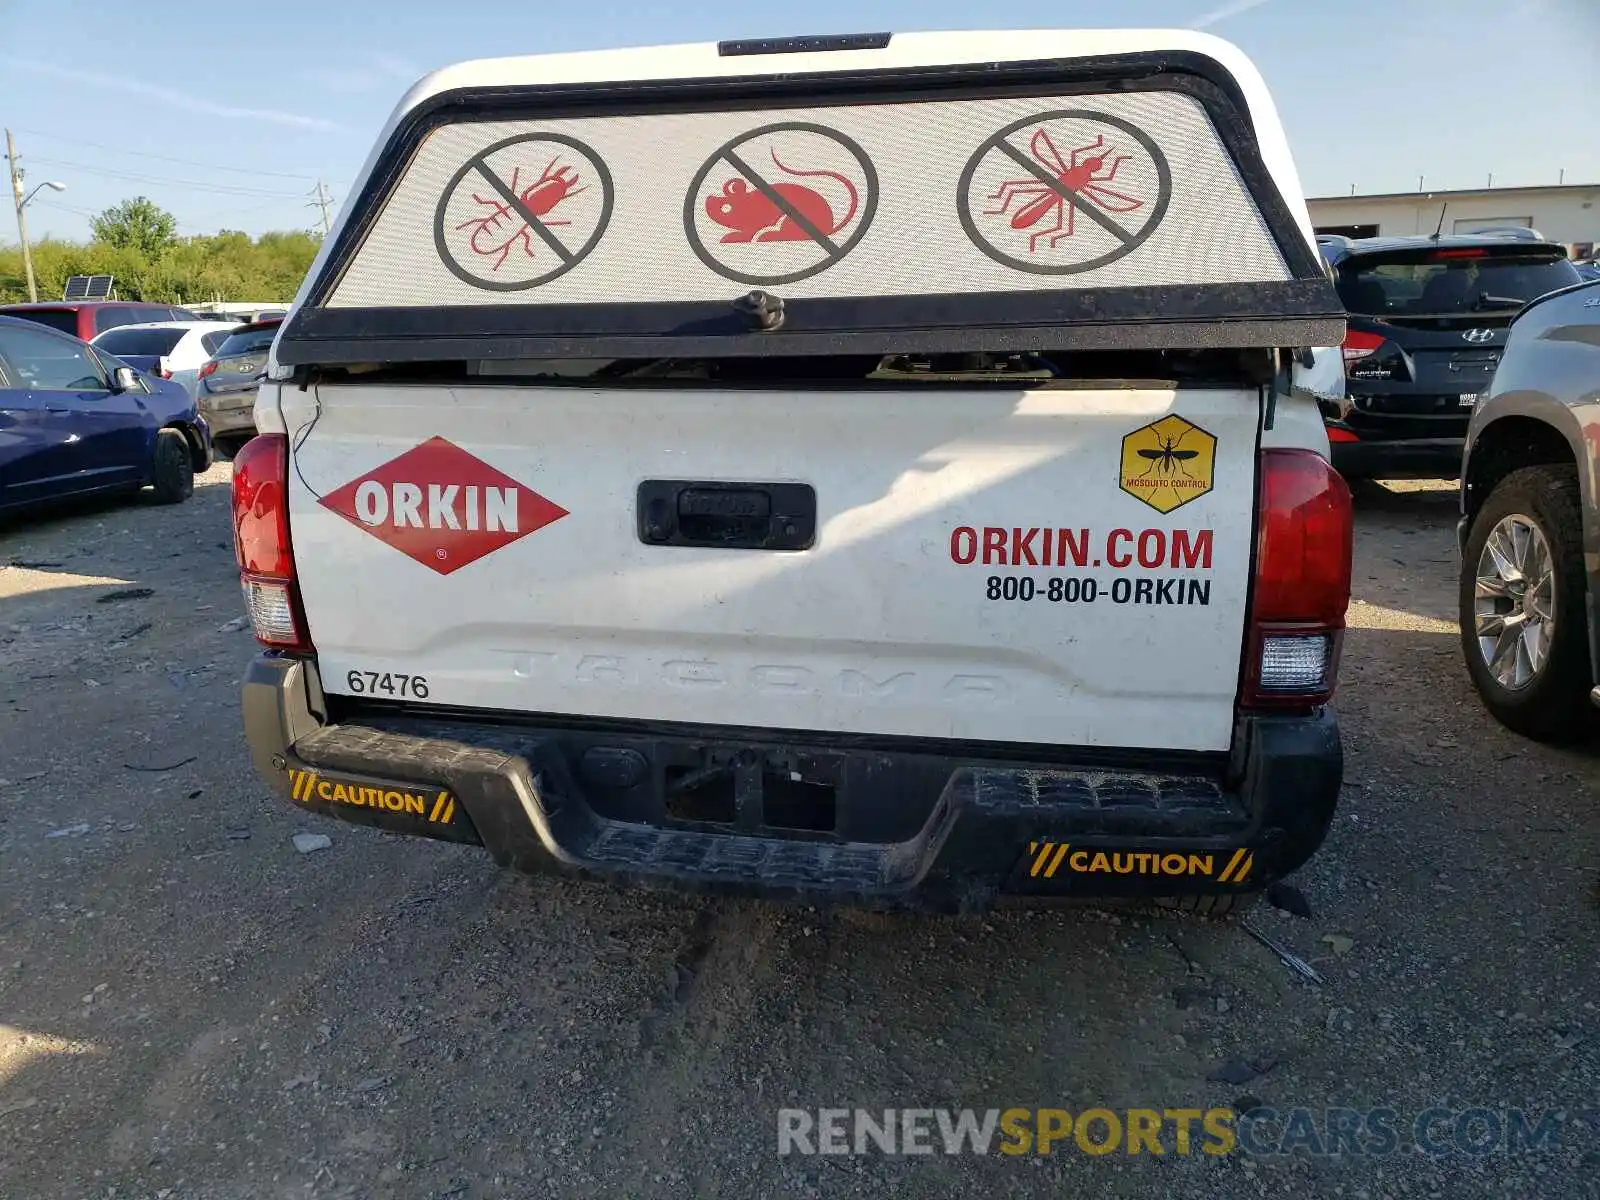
{"points": [[1064, 566]]}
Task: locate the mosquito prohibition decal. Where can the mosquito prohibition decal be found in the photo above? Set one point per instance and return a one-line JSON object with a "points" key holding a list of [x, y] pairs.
{"points": [[1168, 463], [523, 212], [780, 203], [1064, 192]]}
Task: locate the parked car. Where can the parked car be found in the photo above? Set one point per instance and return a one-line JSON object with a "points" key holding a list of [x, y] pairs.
{"points": [[87, 319], [226, 387], [76, 420], [1588, 268], [1427, 322], [174, 351], [1530, 624]]}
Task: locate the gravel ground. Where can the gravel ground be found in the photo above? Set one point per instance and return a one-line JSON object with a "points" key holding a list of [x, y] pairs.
{"points": [[190, 1008]]}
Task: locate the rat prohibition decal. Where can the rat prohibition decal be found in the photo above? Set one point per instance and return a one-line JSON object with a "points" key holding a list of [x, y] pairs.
{"points": [[780, 203], [497, 221], [1064, 192]]}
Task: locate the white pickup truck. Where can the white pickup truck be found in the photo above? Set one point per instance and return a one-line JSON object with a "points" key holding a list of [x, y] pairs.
{"points": [[885, 469]]}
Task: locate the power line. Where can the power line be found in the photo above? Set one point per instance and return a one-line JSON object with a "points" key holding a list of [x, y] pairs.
{"points": [[82, 212], [324, 196], [219, 214], [228, 214], [226, 189], [216, 217], [231, 189], [187, 162]]}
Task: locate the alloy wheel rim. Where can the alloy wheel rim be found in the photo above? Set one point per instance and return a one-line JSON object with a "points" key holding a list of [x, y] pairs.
{"points": [[1513, 602]]}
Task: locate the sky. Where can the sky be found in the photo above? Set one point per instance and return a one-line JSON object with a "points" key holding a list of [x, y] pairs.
{"points": [[229, 115]]}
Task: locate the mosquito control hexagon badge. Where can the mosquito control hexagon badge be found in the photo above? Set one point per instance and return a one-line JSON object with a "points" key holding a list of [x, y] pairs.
{"points": [[1168, 463]]}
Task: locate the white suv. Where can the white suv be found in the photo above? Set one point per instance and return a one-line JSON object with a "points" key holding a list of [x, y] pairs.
{"points": [[174, 350]]}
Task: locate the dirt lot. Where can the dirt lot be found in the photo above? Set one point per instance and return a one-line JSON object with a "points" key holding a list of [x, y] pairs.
{"points": [[190, 1008]]}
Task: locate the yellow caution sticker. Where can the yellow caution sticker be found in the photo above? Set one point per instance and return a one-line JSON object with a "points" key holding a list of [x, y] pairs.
{"points": [[1168, 463], [307, 787], [1046, 860]]}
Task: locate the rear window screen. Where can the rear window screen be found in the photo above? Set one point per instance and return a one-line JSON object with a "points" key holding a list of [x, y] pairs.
{"points": [[859, 200], [1449, 281], [140, 341], [62, 319], [247, 342]]}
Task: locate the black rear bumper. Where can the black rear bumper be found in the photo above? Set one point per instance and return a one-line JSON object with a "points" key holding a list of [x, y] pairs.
{"points": [[912, 828], [1400, 434], [1400, 458]]}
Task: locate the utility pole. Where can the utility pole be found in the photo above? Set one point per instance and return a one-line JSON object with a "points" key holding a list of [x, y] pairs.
{"points": [[22, 222], [323, 201]]}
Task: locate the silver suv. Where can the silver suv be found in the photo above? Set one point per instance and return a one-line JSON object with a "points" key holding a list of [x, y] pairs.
{"points": [[226, 388], [1530, 525]]}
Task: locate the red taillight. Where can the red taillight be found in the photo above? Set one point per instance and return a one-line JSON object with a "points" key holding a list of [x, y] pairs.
{"points": [[1470, 252], [209, 367], [1338, 433], [1360, 344], [261, 543], [1302, 583]]}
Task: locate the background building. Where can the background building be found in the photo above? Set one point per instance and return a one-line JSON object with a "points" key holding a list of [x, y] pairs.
{"points": [[1566, 213]]}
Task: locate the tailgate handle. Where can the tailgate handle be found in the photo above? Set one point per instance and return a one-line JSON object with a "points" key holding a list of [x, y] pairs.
{"points": [[727, 516]]}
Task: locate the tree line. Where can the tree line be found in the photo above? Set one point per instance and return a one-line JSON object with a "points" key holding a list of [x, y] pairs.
{"points": [[138, 243]]}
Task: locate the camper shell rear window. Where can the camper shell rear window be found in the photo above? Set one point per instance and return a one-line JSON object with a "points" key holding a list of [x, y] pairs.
{"points": [[1081, 204]]}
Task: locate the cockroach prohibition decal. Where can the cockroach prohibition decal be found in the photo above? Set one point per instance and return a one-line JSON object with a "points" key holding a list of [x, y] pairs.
{"points": [[523, 212]]}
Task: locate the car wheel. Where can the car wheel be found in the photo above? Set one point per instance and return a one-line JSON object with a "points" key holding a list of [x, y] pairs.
{"points": [[1523, 604], [173, 471]]}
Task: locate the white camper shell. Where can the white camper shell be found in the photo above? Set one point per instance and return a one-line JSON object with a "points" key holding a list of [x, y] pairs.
{"points": [[1164, 210], [786, 453]]}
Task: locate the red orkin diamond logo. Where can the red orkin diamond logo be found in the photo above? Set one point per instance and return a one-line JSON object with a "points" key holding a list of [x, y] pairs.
{"points": [[442, 506]]}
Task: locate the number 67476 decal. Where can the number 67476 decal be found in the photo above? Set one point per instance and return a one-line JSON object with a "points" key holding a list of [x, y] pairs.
{"points": [[387, 683]]}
